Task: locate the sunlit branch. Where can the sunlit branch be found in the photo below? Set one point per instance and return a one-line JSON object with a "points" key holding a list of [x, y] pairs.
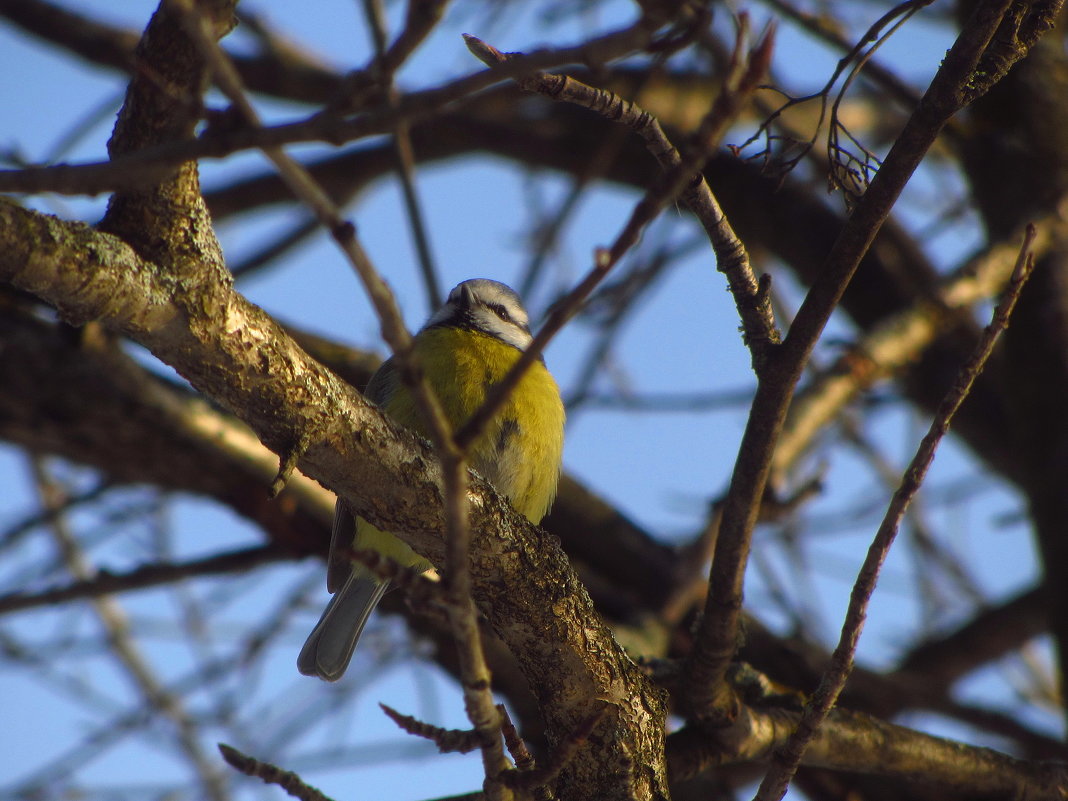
{"points": [[789, 757], [716, 640]]}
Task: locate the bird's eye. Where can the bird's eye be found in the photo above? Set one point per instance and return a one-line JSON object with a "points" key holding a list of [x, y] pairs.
{"points": [[499, 310]]}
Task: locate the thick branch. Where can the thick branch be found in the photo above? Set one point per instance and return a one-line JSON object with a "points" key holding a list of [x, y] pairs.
{"points": [[716, 642], [859, 743], [233, 352]]}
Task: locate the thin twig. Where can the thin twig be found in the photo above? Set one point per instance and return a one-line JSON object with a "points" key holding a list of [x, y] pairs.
{"points": [[106, 583], [524, 760], [475, 676], [448, 741], [271, 774], [825, 29], [873, 34], [124, 648], [893, 344], [343, 231], [152, 165], [786, 760], [715, 643], [853, 180], [564, 753], [679, 179], [402, 143], [475, 679]]}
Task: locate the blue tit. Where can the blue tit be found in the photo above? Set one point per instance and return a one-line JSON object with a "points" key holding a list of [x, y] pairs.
{"points": [[465, 348]]}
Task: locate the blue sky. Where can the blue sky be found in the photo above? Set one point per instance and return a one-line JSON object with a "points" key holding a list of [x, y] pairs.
{"points": [[661, 469]]}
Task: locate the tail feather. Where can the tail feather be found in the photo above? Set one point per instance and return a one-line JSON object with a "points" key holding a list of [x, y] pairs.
{"points": [[329, 647]]}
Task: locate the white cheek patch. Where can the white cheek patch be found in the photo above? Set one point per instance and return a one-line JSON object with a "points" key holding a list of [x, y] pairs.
{"points": [[508, 333]]}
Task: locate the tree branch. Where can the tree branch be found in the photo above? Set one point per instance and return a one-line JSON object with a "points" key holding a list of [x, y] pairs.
{"points": [[852, 741], [153, 165], [785, 763], [715, 644], [103, 582], [233, 352]]}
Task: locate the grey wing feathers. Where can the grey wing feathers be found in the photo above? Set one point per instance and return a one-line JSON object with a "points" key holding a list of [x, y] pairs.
{"points": [[329, 648], [342, 537]]}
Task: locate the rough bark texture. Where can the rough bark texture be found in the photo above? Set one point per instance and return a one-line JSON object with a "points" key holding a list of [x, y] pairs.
{"points": [[557, 607], [234, 353]]}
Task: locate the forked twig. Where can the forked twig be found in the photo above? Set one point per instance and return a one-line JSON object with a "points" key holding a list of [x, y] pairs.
{"points": [[853, 60], [458, 741], [786, 760], [681, 179], [707, 697]]}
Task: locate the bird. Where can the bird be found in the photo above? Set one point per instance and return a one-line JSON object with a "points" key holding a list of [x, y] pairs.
{"points": [[466, 347]]}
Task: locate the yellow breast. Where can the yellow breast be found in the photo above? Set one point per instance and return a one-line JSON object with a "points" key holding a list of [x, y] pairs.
{"points": [[520, 450]]}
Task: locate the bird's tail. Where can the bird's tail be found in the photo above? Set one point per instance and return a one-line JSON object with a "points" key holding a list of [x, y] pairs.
{"points": [[329, 648]]}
